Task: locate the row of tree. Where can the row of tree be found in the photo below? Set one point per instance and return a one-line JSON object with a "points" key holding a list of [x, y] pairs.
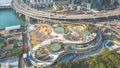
{"points": [[106, 59]]}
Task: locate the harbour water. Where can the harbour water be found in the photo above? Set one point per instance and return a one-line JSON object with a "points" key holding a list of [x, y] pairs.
{"points": [[8, 18]]}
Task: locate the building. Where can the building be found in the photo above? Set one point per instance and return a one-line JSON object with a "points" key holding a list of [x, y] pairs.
{"points": [[96, 3], [40, 3], [85, 3], [119, 1]]}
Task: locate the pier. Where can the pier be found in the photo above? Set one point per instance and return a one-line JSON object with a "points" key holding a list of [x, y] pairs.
{"points": [[5, 5]]}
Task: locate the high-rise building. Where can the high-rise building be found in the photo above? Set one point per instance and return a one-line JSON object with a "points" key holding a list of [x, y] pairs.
{"points": [[41, 3], [84, 3], [89, 3]]}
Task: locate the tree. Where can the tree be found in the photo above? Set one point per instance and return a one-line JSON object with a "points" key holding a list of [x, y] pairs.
{"points": [[105, 59], [102, 65]]}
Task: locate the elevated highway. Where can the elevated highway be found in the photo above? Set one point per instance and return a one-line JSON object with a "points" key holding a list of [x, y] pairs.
{"points": [[21, 7]]}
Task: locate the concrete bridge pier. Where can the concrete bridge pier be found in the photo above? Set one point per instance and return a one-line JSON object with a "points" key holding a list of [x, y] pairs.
{"points": [[27, 20], [19, 14], [32, 20]]}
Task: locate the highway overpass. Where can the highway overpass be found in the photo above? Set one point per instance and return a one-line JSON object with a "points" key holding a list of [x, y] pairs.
{"points": [[21, 7]]}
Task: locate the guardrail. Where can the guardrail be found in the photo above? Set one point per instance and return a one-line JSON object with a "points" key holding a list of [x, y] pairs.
{"points": [[26, 10]]}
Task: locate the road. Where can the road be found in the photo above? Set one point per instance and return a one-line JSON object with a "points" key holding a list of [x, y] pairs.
{"points": [[115, 27], [21, 7], [24, 37]]}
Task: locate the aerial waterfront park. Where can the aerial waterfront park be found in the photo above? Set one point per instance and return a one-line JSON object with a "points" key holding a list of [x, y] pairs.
{"points": [[49, 42]]}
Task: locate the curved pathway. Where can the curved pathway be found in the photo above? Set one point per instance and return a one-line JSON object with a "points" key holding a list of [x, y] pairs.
{"points": [[58, 57], [108, 41]]}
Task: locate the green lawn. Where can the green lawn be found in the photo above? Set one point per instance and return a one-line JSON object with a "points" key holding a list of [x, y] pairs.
{"points": [[17, 41], [13, 51], [1, 42], [110, 44]]}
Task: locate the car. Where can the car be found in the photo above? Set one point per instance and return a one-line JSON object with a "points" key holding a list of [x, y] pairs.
{"points": [[95, 15], [51, 15], [28, 9]]}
